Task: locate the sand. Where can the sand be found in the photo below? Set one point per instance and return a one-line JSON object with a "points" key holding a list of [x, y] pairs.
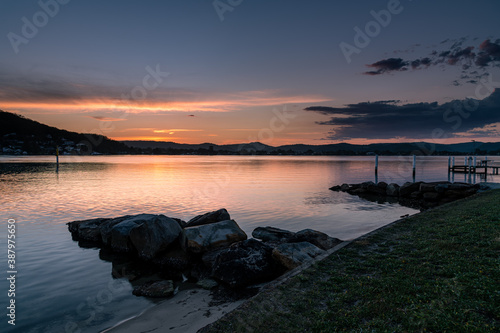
{"points": [[186, 312]]}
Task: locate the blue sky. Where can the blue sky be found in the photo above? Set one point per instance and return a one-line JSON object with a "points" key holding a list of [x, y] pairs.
{"points": [[227, 79]]}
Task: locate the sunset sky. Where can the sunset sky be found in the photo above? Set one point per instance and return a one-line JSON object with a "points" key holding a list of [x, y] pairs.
{"points": [[278, 72]]}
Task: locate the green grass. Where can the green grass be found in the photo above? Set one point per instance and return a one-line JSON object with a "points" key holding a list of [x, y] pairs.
{"points": [[438, 271]]}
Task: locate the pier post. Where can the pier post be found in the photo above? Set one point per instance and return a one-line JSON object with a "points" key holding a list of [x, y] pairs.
{"points": [[414, 164], [57, 158], [376, 169]]}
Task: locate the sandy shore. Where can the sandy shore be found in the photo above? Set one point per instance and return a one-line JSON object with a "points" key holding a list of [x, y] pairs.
{"points": [[186, 312]]}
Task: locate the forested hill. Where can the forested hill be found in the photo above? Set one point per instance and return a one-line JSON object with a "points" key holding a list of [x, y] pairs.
{"points": [[19, 135]]}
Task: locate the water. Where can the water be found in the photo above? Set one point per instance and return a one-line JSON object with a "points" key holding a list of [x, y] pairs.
{"points": [[62, 287]]}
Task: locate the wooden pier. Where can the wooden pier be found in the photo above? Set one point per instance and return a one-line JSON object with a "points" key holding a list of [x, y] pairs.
{"points": [[481, 167]]}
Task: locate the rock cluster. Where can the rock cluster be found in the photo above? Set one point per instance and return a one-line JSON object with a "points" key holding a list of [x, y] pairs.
{"points": [[417, 195], [209, 249]]}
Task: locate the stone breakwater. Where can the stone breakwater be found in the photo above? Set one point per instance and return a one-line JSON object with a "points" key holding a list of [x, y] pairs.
{"points": [[420, 195], [157, 253]]}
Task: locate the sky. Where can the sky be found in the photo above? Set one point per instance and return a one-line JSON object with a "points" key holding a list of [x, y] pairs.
{"points": [[275, 71]]}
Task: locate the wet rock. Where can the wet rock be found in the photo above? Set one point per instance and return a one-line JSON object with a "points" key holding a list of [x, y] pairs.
{"points": [[89, 230], [271, 234], [157, 289], [207, 284], [120, 236], [427, 187], [203, 238], [408, 188], [154, 235], [344, 187], [107, 226], [208, 218], [431, 196], [245, 263], [392, 190], [292, 255], [382, 185], [317, 238]]}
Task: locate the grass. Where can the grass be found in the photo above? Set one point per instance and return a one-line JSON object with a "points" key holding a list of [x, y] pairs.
{"points": [[438, 271]]}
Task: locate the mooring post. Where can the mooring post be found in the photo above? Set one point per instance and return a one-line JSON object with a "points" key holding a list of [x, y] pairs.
{"points": [[414, 164], [57, 158], [376, 169]]}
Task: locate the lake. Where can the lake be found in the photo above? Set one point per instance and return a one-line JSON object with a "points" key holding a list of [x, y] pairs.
{"points": [[61, 287]]}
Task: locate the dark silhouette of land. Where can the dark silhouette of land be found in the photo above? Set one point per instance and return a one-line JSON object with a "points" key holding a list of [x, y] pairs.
{"points": [[22, 136]]}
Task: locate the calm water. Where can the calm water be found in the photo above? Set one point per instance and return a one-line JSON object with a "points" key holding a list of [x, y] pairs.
{"points": [[61, 287]]}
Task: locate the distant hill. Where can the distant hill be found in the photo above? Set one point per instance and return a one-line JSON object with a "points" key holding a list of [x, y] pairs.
{"points": [[19, 135], [492, 148]]}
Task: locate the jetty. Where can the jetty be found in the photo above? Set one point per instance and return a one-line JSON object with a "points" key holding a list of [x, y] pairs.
{"points": [[473, 166]]}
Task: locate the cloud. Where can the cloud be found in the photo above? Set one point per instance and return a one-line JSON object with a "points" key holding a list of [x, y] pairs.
{"points": [[62, 95], [388, 65], [392, 119], [106, 118], [470, 58]]}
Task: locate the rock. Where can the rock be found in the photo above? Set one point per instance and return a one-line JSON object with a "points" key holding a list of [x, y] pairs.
{"points": [[202, 238], [441, 188], [392, 190], [207, 284], [427, 187], [208, 218], [335, 188], [317, 238], [454, 194], [182, 223], [365, 185], [459, 186], [408, 188], [375, 189], [89, 230], [382, 185], [245, 263], [120, 235], [344, 187], [416, 195], [431, 196], [155, 289], [108, 225], [208, 258], [271, 234], [154, 235], [292, 255]]}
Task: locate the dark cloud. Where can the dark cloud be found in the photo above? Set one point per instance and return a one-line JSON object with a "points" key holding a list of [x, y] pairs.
{"points": [[106, 118], [391, 119], [470, 58], [387, 65]]}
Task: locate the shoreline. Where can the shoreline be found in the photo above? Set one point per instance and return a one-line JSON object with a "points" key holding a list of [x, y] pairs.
{"points": [[160, 315], [188, 311], [374, 279]]}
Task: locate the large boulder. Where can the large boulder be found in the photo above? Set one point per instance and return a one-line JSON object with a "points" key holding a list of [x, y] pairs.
{"points": [[108, 225], [317, 238], [245, 263], [271, 234], [408, 188], [208, 218], [203, 238], [154, 235], [392, 190], [89, 230], [292, 255], [156, 289], [120, 235]]}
